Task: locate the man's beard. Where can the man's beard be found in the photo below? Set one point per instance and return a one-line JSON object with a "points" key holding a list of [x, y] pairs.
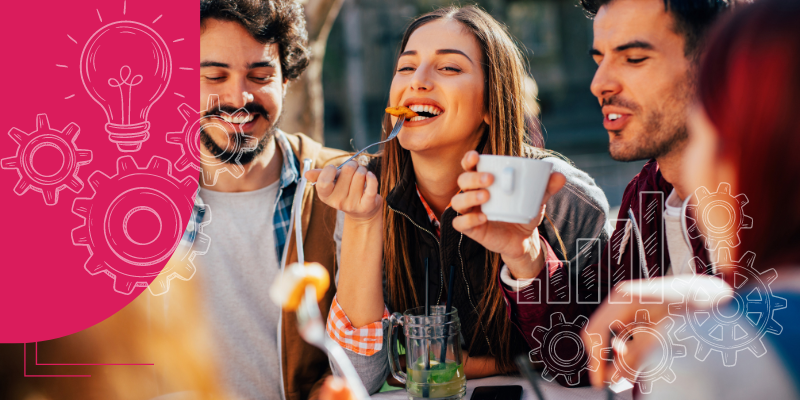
{"points": [[663, 129], [241, 154]]}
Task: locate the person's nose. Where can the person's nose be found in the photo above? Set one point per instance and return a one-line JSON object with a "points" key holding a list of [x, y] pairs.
{"points": [[421, 81], [235, 93], [605, 83]]}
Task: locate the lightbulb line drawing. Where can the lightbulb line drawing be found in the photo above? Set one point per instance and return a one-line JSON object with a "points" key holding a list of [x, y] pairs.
{"points": [[126, 55], [130, 63]]}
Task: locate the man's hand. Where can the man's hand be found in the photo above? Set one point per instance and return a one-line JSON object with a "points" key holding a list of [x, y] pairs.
{"points": [[518, 244]]}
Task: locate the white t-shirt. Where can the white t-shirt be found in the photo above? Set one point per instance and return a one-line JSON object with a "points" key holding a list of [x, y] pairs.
{"points": [[235, 276], [680, 254]]}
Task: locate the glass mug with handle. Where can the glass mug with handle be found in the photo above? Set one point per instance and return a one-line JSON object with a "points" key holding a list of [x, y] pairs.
{"points": [[431, 372]]}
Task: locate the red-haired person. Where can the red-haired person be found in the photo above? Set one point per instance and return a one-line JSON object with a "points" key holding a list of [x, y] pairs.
{"points": [[745, 133]]}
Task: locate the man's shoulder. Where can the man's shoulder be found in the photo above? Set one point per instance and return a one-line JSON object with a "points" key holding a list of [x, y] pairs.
{"points": [[306, 147]]}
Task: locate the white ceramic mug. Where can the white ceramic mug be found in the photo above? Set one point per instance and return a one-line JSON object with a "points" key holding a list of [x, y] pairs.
{"points": [[518, 188]]}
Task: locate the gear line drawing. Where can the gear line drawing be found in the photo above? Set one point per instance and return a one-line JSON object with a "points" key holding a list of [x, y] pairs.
{"points": [[570, 366], [669, 350], [25, 161], [708, 209], [730, 329], [121, 245], [181, 264], [189, 140]]}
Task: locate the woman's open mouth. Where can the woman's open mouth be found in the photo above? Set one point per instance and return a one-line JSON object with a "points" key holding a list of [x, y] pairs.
{"points": [[424, 112]]}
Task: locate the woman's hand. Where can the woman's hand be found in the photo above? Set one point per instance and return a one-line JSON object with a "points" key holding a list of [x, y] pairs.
{"points": [[355, 191], [518, 244]]}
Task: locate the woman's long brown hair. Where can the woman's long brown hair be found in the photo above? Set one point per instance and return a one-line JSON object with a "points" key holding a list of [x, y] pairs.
{"points": [[510, 133]]}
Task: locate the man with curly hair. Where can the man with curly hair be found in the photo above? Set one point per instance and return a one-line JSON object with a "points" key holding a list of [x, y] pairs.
{"points": [[250, 51]]}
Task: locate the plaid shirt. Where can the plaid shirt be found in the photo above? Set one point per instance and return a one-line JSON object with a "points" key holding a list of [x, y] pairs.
{"points": [[368, 339], [290, 175]]}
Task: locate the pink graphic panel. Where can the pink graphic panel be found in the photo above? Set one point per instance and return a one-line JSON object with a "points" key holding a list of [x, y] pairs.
{"points": [[93, 206]]}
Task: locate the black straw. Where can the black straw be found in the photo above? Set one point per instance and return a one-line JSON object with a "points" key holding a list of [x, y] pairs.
{"points": [[425, 392], [427, 312], [447, 310]]}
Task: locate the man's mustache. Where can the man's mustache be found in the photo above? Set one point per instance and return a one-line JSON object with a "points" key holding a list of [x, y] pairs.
{"points": [[253, 108], [620, 102]]}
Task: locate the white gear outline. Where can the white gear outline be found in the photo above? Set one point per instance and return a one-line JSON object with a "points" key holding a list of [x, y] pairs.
{"points": [[45, 136], [712, 328], [188, 139], [722, 198], [185, 254], [554, 364], [105, 215], [670, 350]]}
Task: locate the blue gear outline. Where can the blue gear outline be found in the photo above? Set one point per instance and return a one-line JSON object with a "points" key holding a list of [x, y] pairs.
{"points": [[725, 328]]}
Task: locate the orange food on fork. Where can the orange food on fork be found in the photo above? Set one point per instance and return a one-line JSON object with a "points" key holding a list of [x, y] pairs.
{"points": [[401, 110], [290, 287]]}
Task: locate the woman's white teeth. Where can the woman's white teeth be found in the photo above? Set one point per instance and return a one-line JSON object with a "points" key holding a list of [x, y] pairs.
{"points": [[614, 117], [424, 108], [238, 118]]}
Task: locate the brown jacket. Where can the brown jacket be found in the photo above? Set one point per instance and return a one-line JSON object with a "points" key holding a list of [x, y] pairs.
{"points": [[304, 367]]}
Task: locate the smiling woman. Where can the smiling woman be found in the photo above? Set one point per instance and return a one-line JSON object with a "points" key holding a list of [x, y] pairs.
{"points": [[462, 73]]}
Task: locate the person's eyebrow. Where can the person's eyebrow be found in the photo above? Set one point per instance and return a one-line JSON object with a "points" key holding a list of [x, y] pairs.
{"points": [[213, 64], [636, 44], [594, 52], [261, 64], [440, 51], [453, 51]]}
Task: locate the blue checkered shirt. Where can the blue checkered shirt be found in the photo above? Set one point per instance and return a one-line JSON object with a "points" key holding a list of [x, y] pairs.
{"points": [[290, 175]]}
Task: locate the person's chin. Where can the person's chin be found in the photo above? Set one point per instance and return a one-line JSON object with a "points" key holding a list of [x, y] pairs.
{"points": [[416, 141]]}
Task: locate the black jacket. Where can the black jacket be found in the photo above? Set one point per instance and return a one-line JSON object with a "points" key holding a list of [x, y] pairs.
{"points": [[578, 212]]}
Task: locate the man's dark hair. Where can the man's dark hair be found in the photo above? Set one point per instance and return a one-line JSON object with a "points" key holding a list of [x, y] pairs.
{"points": [[268, 21], [692, 19]]}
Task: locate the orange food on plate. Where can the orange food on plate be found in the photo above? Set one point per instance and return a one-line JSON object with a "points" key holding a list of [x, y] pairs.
{"points": [[401, 110], [290, 287]]}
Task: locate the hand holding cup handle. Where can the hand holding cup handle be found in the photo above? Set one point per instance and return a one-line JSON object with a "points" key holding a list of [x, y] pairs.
{"points": [[502, 203]]}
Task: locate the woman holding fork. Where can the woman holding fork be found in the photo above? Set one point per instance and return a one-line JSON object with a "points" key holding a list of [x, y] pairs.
{"points": [[419, 201]]}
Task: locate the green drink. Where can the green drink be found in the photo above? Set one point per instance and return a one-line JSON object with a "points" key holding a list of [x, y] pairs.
{"points": [[441, 380], [434, 363]]}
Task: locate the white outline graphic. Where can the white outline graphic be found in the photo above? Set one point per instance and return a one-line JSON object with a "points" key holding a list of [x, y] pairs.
{"points": [[546, 353], [722, 331], [722, 198], [181, 265], [189, 140], [127, 135], [24, 161], [670, 350], [112, 250]]}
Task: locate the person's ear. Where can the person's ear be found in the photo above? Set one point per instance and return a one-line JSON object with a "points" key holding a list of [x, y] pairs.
{"points": [[285, 87], [487, 118]]}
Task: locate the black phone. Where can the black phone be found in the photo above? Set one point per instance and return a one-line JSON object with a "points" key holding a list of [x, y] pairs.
{"points": [[497, 393]]}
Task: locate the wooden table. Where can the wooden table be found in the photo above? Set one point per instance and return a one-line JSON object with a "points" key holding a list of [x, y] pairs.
{"points": [[551, 390]]}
